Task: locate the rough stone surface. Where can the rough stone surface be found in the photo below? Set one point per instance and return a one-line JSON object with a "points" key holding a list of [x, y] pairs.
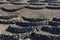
{"points": [[21, 21]]}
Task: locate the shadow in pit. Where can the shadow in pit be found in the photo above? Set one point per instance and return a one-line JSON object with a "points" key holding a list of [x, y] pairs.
{"points": [[7, 22], [34, 19], [53, 8], [34, 8], [51, 30], [18, 30], [35, 36], [10, 10], [8, 37], [53, 23], [56, 19], [8, 17], [28, 24]]}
